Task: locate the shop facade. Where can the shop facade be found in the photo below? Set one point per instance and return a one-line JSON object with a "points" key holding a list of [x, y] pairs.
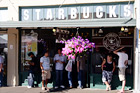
{"points": [[109, 25]]}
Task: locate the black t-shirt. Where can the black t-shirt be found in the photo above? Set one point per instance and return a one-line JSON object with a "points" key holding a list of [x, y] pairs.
{"points": [[108, 66], [36, 67]]}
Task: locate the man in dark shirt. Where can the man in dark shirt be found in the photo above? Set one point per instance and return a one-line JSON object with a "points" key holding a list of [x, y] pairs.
{"points": [[33, 71], [81, 66]]}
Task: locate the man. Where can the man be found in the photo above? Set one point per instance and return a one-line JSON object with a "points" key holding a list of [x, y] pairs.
{"points": [[32, 70], [1, 70], [122, 62], [59, 60], [45, 67], [81, 67]]}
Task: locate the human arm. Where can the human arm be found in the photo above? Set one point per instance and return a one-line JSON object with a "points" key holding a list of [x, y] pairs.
{"points": [[113, 67], [104, 61], [1, 66], [126, 62], [55, 59], [1, 63], [116, 51], [77, 66], [31, 63]]}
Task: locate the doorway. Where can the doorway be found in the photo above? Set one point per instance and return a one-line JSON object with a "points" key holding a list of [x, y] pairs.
{"points": [[40, 40], [107, 40]]}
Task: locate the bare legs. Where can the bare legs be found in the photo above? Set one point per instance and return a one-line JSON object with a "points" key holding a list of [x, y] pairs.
{"points": [[46, 82], [123, 86], [107, 86], [42, 83]]}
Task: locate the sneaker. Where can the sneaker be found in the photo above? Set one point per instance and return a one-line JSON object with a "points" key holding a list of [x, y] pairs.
{"points": [[56, 87], [79, 87], [43, 88], [62, 86], [70, 87], [29, 87]]}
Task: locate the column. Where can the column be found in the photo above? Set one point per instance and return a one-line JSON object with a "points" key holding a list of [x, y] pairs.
{"points": [[12, 67]]}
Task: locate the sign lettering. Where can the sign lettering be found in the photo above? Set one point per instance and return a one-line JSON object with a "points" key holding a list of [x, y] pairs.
{"points": [[76, 12]]}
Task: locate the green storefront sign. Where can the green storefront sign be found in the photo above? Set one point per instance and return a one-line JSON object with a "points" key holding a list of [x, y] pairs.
{"points": [[94, 11]]}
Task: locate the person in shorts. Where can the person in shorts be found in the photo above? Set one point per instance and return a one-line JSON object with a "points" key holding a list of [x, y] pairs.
{"points": [[108, 67], [45, 67], [122, 62]]}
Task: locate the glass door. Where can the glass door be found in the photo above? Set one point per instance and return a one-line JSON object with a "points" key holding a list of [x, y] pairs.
{"points": [[4, 53]]}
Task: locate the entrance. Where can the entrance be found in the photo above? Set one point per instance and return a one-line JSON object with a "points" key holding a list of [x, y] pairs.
{"points": [[4, 52], [107, 40], [40, 40]]}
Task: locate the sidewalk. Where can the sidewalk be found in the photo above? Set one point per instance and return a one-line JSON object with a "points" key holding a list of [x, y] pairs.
{"points": [[38, 90]]}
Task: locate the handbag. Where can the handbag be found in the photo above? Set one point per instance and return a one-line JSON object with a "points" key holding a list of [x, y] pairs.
{"points": [[69, 66]]}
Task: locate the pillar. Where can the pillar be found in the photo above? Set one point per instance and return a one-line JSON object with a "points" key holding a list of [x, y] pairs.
{"points": [[12, 64]]}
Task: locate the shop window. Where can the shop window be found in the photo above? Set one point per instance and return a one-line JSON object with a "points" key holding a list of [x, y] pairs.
{"points": [[101, 50]]}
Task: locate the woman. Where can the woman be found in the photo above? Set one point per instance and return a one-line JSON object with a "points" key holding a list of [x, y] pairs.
{"points": [[108, 67], [70, 73]]}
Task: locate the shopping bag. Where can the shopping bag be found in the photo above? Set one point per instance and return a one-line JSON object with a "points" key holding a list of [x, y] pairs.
{"points": [[69, 66]]}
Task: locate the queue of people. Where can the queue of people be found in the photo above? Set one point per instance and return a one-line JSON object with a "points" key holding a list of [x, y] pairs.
{"points": [[42, 66], [108, 67]]}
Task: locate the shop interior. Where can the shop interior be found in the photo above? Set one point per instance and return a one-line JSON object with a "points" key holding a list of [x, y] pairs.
{"points": [[39, 40]]}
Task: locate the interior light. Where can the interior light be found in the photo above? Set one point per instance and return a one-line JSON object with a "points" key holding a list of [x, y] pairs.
{"points": [[122, 29]]}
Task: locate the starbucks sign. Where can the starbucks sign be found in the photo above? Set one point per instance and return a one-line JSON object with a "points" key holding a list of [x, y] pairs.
{"points": [[111, 41], [76, 12]]}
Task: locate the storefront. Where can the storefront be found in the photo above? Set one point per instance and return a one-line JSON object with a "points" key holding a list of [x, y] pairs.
{"points": [[108, 25], [103, 24]]}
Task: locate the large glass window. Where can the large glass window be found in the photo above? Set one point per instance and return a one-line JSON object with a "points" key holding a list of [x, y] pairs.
{"points": [[104, 46]]}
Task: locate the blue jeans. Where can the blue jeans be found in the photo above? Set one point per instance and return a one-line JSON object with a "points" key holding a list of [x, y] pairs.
{"points": [[70, 78], [31, 79], [1, 78], [81, 78], [59, 78]]}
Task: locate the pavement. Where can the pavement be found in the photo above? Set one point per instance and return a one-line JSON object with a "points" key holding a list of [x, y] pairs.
{"points": [[38, 90]]}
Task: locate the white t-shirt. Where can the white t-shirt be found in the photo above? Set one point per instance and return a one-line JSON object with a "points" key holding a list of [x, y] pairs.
{"points": [[122, 58], [59, 66], [1, 60], [45, 62]]}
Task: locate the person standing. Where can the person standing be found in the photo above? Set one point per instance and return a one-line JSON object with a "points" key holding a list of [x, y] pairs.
{"points": [[59, 60], [32, 71], [1, 70], [70, 72], [122, 62], [108, 67], [45, 67], [81, 66]]}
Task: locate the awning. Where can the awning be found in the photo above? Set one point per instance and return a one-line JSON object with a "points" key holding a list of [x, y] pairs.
{"points": [[71, 23]]}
